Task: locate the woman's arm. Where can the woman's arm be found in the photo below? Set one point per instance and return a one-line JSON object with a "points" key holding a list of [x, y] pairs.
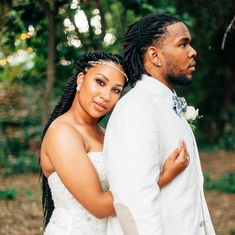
{"points": [[174, 165], [66, 152], [69, 159]]}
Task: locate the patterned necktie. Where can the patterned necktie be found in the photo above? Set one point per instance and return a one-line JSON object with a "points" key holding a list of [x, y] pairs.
{"points": [[179, 104]]}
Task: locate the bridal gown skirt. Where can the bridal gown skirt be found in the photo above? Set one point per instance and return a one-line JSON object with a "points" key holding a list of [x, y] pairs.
{"points": [[68, 223], [69, 216]]}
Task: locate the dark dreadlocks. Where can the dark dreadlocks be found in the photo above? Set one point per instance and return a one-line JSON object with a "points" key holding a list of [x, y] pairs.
{"points": [[146, 32]]}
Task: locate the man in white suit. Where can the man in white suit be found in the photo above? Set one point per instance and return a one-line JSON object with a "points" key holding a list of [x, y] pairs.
{"points": [[145, 127]]}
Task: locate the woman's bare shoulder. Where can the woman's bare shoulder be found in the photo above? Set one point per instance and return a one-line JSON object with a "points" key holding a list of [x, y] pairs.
{"points": [[62, 131]]}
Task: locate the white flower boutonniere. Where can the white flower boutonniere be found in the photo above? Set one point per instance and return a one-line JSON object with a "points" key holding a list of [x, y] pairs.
{"points": [[192, 115]]}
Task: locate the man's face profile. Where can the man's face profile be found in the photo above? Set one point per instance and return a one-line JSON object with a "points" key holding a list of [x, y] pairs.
{"points": [[178, 55]]}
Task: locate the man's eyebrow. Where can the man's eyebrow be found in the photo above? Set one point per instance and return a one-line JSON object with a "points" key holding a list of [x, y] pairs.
{"points": [[185, 39]]}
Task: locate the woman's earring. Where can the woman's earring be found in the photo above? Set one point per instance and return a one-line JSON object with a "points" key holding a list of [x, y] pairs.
{"points": [[78, 87]]}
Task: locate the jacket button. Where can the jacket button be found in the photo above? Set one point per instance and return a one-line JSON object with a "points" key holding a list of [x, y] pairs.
{"points": [[202, 223]]}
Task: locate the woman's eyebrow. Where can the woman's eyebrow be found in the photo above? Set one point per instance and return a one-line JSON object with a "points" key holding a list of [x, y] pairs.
{"points": [[106, 78], [103, 76]]}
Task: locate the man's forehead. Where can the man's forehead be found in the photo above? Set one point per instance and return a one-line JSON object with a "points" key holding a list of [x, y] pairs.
{"points": [[178, 31]]}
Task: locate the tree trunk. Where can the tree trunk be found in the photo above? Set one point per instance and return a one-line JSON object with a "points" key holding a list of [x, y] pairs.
{"points": [[5, 7], [50, 64]]}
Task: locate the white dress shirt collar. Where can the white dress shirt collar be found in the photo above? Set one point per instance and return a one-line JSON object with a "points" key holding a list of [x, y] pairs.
{"points": [[157, 88]]}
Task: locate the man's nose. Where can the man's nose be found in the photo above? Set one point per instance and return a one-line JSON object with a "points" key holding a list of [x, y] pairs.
{"points": [[193, 52]]}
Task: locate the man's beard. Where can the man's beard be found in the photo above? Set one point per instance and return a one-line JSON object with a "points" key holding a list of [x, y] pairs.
{"points": [[179, 80]]}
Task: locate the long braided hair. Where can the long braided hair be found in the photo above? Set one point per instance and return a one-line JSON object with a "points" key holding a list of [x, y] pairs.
{"points": [[140, 35], [63, 106]]}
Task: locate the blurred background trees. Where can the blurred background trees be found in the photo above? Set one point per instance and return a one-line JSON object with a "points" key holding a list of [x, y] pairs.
{"points": [[41, 40]]}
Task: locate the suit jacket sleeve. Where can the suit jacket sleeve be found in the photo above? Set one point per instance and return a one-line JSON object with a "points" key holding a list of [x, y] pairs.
{"points": [[133, 162]]}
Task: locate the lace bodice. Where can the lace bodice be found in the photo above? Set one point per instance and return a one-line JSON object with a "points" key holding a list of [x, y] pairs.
{"points": [[69, 216]]}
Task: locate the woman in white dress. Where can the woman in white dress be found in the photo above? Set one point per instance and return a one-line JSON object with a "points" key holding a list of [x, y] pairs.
{"points": [[75, 192]]}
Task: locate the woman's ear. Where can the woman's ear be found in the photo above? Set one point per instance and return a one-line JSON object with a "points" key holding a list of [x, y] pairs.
{"points": [[80, 78], [154, 55]]}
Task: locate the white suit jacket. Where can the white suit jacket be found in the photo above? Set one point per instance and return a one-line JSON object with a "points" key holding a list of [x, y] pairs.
{"points": [[141, 133]]}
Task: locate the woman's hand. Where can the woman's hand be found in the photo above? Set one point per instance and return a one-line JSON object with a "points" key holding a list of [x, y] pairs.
{"points": [[174, 165]]}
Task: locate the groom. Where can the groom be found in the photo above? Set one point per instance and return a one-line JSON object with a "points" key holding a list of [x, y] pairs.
{"points": [[146, 127]]}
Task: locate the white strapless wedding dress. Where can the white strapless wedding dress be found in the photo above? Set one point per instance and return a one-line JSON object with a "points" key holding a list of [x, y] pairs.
{"points": [[69, 216]]}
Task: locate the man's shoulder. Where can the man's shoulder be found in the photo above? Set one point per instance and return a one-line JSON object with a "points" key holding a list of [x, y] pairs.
{"points": [[137, 95], [135, 101]]}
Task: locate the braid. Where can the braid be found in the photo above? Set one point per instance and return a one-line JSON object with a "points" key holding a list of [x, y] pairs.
{"points": [[138, 37], [47, 201], [62, 107]]}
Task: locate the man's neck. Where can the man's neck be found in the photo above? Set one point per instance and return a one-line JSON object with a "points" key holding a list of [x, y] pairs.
{"points": [[157, 73], [162, 79]]}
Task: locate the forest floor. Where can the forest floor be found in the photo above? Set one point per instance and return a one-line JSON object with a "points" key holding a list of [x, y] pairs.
{"points": [[23, 215]]}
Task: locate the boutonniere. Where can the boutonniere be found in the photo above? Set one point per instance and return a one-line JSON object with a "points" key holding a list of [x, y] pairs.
{"points": [[192, 115]]}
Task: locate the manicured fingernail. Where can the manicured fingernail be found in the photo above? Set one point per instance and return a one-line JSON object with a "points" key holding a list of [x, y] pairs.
{"points": [[181, 142]]}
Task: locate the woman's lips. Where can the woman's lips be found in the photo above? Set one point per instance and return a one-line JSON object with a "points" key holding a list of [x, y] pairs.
{"points": [[100, 106]]}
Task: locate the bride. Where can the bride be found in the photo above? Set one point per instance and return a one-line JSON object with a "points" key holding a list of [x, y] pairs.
{"points": [[75, 188]]}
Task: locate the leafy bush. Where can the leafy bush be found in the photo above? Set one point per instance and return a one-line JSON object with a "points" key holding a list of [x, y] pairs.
{"points": [[19, 145], [232, 231], [25, 162], [225, 184], [8, 194]]}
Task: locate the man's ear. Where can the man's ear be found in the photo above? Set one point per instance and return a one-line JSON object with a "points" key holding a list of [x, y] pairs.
{"points": [[153, 55], [80, 78]]}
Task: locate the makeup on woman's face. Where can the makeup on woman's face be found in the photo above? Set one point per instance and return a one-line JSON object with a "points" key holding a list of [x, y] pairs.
{"points": [[101, 88]]}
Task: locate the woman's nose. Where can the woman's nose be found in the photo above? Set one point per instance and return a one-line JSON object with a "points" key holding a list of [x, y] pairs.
{"points": [[105, 94]]}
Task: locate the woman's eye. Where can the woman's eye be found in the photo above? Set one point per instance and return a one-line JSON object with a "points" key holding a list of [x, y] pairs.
{"points": [[183, 45], [117, 91], [100, 82]]}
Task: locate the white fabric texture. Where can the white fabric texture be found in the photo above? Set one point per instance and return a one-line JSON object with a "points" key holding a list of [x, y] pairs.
{"points": [[69, 216], [142, 131]]}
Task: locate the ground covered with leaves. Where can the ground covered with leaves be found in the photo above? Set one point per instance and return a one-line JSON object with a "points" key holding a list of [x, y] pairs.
{"points": [[20, 199]]}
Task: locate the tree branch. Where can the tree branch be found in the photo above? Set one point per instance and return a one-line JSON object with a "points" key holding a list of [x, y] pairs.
{"points": [[73, 23], [226, 32]]}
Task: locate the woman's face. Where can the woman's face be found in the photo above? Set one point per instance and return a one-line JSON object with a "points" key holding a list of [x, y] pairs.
{"points": [[100, 89]]}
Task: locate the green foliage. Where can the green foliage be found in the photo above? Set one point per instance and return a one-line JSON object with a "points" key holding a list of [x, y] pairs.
{"points": [[227, 139], [225, 184], [8, 194], [29, 194], [24, 162], [20, 133], [22, 86], [232, 231], [213, 89], [17, 152]]}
